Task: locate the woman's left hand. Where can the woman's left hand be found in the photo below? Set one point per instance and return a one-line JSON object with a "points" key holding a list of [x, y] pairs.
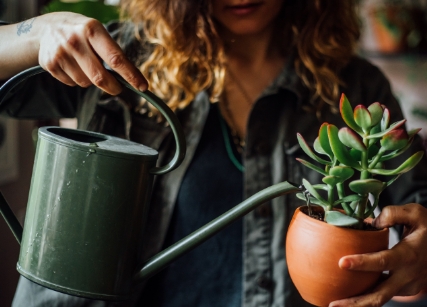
{"points": [[406, 261]]}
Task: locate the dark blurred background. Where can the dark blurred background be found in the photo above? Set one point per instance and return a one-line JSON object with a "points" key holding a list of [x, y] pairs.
{"points": [[16, 155]]}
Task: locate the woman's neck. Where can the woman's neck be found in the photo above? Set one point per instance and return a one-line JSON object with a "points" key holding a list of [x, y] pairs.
{"points": [[255, 58], [253, 62], [251, 51]]}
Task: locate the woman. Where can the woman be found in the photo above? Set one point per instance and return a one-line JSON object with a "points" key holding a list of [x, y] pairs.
{"points": [[266, 68]]}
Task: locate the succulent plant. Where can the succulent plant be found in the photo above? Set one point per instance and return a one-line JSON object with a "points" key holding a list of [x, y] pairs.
{"points": [[352, 156]]}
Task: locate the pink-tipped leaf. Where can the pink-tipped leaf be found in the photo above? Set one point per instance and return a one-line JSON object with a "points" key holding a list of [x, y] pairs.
{"points": [[318, 148], [392, 127], [385, 121], [324, 139], [395, 153], [339, 150], [362, 117], [306, 148], [413, 132], [350, 139], [394, 140], [376, 112], [403, 168], [347, 114], [312, 166]]}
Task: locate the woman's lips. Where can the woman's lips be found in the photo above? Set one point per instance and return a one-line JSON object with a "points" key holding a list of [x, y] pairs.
{"points": [[243, 9]]}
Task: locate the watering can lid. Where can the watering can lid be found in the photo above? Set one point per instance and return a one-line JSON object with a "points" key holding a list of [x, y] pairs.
{"points": [[98, 143]]}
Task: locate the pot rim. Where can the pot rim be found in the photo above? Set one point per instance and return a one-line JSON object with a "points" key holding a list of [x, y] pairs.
{"points": [[316, 207]]}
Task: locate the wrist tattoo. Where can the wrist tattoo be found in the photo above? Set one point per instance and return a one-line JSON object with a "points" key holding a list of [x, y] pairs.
{"points": [[25, 26]]}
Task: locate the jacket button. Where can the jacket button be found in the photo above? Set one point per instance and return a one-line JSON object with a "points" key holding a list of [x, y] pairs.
{"points": [[265, 283]]}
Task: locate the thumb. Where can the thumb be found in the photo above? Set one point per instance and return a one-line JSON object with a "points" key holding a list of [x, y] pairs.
{"points": [[407, 215]]}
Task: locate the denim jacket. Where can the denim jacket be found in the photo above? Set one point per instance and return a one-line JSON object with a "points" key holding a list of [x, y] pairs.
{"points": [[269, 157]]}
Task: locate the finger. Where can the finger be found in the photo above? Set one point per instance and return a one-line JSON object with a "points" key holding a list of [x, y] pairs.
{"points": [[373, 262], [60, 75], [408, 215], [111, 53], [378, 297], [74, 71], [98, 75], [91, 66]]}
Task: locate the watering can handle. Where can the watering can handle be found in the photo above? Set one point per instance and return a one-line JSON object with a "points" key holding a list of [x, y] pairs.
{"points": [[149, 96], [172, 120]]}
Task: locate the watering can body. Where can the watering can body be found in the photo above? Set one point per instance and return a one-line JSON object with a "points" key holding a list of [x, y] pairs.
{"points": [[85, 212], [87, 207]]}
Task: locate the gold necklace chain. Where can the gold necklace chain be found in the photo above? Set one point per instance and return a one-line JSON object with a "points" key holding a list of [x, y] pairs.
{"points": [[241, 88], [238, 141]]}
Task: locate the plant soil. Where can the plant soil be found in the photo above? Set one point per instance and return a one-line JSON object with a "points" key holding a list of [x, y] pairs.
{"points": [[318, 214]]}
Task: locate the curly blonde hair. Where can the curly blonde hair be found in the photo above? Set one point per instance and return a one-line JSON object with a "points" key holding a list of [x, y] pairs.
{"points": [[188, 55]]}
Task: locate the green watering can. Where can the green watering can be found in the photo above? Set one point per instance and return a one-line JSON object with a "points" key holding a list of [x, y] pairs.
{"points": [[87, 207]]}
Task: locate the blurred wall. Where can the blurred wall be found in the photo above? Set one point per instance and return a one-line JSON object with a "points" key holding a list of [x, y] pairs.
{"points": [[15, 190], [16, 193]]}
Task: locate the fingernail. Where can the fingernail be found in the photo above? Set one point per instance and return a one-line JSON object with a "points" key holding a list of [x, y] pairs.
{"points": [[345, 264], [142, 87]]}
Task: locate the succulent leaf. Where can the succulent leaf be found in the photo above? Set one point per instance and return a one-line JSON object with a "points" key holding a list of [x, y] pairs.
{"points": [[379, 165], [362, 117], [403, 168], [347, 114], [385, 121], [318, 148], [413, 132], [394, 140], [312, 166], [339, 219], [343, 172], [313, 200], [306, 148], [396, 153], [314, 193], [324, 139], [365, 186], [339, 150], [332, 180], [374, 130], [392, 127], [376, 112], [393, 179], [355, 154], [351, 198], [354, 204], [321, 187], [372, 151], [351, 139]]}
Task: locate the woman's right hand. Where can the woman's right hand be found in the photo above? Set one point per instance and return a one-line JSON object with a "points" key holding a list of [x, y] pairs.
{"points": [[72, 47]]}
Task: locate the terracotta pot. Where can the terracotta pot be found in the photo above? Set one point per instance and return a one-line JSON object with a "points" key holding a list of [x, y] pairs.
{"points": [[313, 249]]}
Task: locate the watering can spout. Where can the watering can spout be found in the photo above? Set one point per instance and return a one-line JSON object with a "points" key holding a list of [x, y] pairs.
{"points": [[165, 257], [10, 219]]}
